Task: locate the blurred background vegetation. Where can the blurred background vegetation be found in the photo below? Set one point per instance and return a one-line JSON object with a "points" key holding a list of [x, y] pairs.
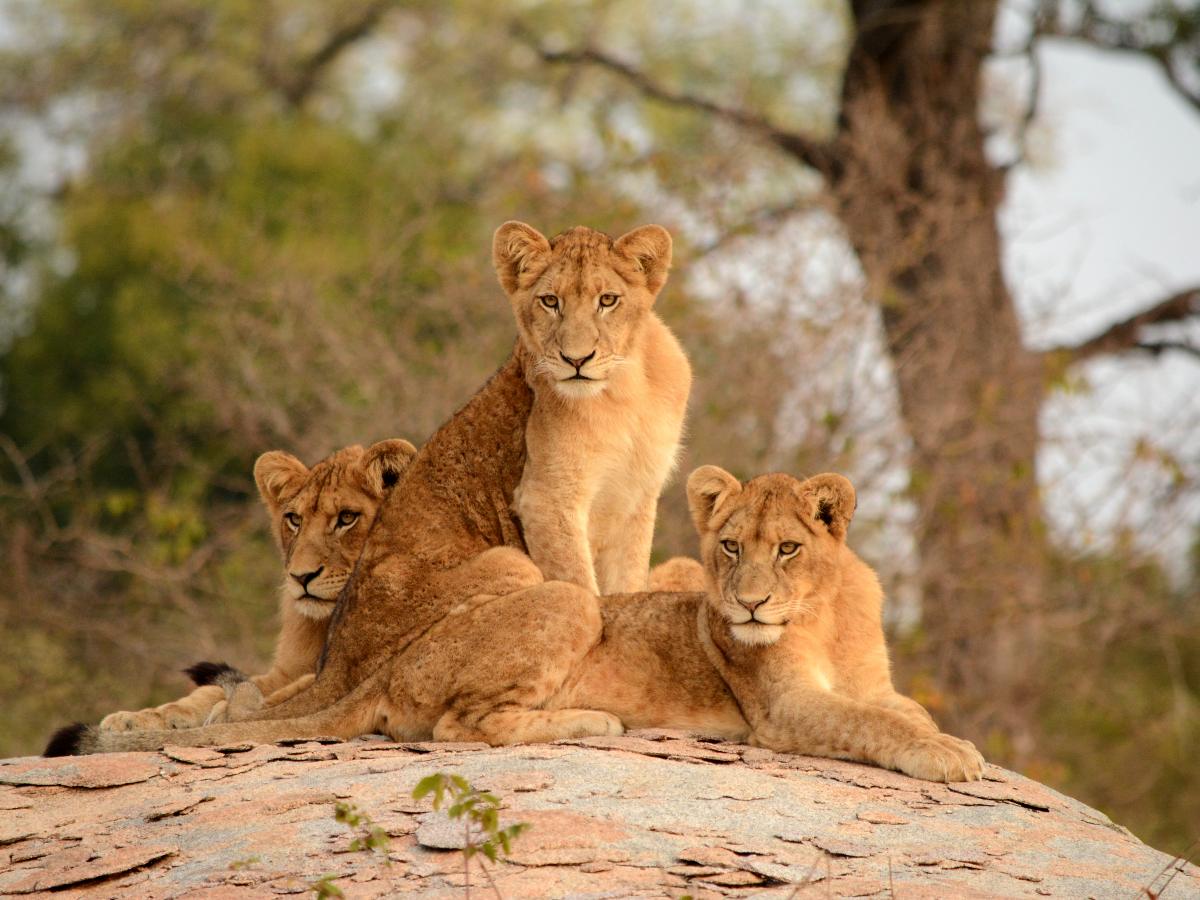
{"points": [[229, 226]]}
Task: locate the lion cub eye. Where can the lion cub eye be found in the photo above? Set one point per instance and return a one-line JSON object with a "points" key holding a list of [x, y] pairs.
{"points": [[293, 521], [731, 548], [608, 301], [346, 518], [549, 301], [788, 548]]}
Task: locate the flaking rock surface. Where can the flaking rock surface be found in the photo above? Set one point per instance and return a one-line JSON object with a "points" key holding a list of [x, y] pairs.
{"points": [[651, 814]]}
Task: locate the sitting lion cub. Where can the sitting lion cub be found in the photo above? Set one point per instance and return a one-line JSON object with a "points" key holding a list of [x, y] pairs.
{"points": [[611, 385], [319, 518], [786, 648]]}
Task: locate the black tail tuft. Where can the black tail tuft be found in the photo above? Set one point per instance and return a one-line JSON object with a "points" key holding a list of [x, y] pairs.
{"points": [[66, 741], [203, 673]]}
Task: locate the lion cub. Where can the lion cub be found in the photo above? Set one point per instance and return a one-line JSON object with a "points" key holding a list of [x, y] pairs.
{"points": [[610, 387], [784, 650], [319, 519]]}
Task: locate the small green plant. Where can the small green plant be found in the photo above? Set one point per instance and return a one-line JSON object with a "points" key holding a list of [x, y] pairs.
{"points": [[368, 835], [325, 888], [480, 814]]}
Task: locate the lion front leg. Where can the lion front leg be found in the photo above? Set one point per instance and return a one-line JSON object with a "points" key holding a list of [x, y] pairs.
{"points": [[554, 516], [907, 707], [623, 550], [820, 723], [186, 712]]}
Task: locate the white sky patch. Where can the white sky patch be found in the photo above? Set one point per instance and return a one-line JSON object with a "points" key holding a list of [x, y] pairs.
{"points": [[1105, 225]]}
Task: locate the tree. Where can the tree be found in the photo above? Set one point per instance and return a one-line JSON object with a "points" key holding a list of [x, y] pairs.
{"points": [[906, 172], [241, 200]]}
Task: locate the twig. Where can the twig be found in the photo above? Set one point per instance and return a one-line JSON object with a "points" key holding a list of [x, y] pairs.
{"points": [[467, 858], [813, 153], [1126, 334], [488, 875], [1110, 34], [808, 878], [1175, 866]]}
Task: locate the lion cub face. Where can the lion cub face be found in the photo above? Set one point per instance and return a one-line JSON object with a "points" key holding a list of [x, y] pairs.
{"points": [[320, 516], [580, 298], [770, 546]]}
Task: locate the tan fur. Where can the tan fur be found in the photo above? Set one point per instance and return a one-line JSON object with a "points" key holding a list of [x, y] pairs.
{"points": [[319, 554], [680, 573], [785, 649], [793, 624], [604, 435], [413, 646]]}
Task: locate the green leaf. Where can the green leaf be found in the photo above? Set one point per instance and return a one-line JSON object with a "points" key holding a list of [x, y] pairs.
{"points": [[489, 820], [427, 785], [325, 888], [378, 839]]}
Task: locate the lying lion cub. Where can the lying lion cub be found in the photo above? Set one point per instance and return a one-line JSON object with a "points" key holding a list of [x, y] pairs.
{"points": [[319, 519], [786, 648], [562, 452]]}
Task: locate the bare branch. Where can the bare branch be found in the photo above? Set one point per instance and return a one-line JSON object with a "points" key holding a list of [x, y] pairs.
{"points": [[1028, 52], [1095, 28], [758, 222], [299, 85], [1126, 335], [1157, 348], [812, 153]]}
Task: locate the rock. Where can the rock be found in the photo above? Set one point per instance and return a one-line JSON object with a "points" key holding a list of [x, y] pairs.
{"points": [[649, 814]]}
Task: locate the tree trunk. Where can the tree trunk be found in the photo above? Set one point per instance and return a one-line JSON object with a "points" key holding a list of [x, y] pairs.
{"points": [[918, 200]]}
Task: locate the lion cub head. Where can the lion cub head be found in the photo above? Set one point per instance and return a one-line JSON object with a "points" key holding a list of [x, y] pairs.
{"points": [[772, 547], [580, 298], [320, 516]]}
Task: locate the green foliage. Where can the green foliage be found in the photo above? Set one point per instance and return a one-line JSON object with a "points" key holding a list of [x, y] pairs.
{"points": [[1122, 729], [367, 835], [474, 807], [326, 887]]}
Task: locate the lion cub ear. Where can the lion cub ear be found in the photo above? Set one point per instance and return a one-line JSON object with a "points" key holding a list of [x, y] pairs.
{"points": [[709, 488], [277, 473], [831, 501], [515, 246], [650, 248], [386, 461]]}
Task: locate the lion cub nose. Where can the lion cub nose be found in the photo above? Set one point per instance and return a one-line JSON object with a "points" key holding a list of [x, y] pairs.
{"points": [[753, 603], [305, 577], [578, 362]]}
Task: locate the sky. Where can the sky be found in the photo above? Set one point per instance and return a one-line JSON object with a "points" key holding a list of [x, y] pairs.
{"points": [[1104, 222]]}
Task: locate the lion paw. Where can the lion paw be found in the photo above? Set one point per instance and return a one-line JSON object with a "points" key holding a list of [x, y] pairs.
{"points": [[127, 720], [156, 719], [243, 700], [941, 757], [219, 714], [595, 723]]}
